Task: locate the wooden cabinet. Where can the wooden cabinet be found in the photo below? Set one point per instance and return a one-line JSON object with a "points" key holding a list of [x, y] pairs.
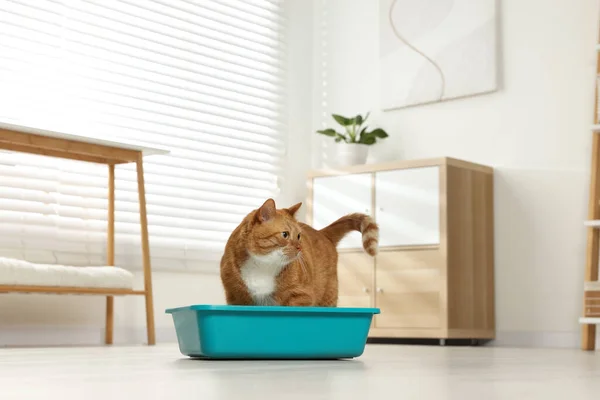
{"points": [[355, 277], [407, 203], [434, 274], [407, 290], [340, 195]]}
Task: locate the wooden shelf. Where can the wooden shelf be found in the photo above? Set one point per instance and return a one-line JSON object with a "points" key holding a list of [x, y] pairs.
{"points": [[592, 252], [69, 290]]}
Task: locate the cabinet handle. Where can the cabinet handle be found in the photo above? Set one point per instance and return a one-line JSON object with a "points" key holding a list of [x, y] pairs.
{"points": [[366, 289], [379, 290]]}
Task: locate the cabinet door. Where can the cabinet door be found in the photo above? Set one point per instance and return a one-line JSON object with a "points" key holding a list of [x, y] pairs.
{"points": [[408, 285], [336, 196], [408, 206], [355, 278]]}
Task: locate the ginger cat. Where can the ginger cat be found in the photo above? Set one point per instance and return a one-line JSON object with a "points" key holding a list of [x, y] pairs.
{"points": [[272, 259]]}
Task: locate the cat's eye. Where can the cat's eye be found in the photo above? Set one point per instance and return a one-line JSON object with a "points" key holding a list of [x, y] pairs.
{"points": [[285, 234], [298, 236]]}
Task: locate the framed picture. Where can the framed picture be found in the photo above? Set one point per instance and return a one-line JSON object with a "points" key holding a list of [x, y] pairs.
{"points": [[436, 50]]}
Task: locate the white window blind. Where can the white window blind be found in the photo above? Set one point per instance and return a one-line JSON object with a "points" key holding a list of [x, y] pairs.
{"points": [[203, 79]]}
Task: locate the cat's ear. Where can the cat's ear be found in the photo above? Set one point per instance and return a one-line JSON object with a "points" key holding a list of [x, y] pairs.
{"points": [[266, 211], [293, 209]]}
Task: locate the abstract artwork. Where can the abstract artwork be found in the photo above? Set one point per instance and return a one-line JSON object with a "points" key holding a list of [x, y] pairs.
{"points": [[435, 50]]}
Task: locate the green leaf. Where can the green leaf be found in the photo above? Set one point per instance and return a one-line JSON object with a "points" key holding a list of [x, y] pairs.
{"points": [[369, 139], [342, 120], [328, 132], [362, 131], [380, 133], [358, 120], [340, 137]]}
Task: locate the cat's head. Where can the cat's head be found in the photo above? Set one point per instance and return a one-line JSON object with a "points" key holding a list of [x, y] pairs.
{"points": [[274, 233]]}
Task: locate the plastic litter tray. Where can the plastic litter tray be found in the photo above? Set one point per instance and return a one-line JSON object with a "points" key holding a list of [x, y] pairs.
{"points": [[265, 332]]}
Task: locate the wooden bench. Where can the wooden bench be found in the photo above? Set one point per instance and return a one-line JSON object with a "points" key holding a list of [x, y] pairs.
{"points": [[110, 153]]}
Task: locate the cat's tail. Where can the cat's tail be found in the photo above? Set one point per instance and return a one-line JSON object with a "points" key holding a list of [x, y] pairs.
{"points": [[355, 222]]}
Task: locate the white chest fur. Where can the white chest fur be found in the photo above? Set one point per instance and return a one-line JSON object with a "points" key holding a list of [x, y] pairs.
{"points": [[259, 274]]}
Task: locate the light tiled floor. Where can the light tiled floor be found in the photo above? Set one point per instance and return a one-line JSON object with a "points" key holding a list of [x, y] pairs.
{"points": [[384, 371]]}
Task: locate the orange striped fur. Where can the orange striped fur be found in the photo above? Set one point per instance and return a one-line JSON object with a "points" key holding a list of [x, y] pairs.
{"points": [[272, 259]]}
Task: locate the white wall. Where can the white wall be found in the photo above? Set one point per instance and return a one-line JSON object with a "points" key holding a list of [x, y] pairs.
{"points": [[299, 101], [534, 131], [79, 320]]}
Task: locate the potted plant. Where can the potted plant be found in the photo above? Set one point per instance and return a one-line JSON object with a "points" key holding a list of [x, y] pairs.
{"points": [[353, 142]]}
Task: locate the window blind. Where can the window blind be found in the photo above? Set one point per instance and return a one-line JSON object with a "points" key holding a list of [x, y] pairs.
{"points": [[203, 79]]}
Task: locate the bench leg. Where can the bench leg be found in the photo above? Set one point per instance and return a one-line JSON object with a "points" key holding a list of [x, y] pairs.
{"points": [[110, 252], [146, 253], [588, 339], [110, 318]]}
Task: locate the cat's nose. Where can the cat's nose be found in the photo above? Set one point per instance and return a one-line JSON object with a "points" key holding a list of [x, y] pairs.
{"points": [[298, 247]]}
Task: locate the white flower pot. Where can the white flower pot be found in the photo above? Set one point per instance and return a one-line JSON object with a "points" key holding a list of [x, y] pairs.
{"points": [[347, 154]]}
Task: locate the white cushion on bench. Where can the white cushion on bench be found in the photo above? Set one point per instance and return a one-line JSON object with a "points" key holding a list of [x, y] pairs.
{"points": [[24, 273]]}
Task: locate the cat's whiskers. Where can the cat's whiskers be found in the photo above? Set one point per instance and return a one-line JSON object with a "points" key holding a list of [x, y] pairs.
{"points": [[302, 263]]}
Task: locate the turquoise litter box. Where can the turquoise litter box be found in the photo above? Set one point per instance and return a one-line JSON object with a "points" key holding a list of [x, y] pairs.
{"points": [[271, 332]]}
